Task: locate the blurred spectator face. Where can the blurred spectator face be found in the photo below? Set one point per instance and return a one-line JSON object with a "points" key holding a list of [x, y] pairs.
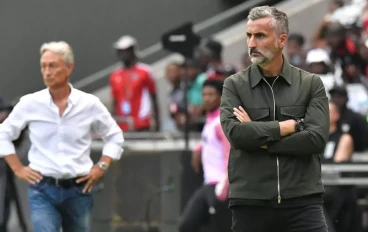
{"points": [[318, 68], [211, 98], [173, 73], [127, 56], [54, 70], [340, 100], [336, 35], [192, 72], [263, 42], [203, 57], [351, 71], [334, 113]]}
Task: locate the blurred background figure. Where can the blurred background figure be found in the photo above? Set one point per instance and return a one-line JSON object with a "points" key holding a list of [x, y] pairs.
{"points": [[351, 122], [133, 90], [295, 50], [209, 202], [318, 62], [340, 201]]}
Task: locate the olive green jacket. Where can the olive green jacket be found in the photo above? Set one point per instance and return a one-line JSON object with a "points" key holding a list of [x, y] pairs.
{"points": [[290, 167]]}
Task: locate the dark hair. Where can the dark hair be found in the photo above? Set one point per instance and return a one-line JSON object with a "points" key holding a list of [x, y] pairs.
{"points": [[338, 123], [214, 83], [298, 38]]}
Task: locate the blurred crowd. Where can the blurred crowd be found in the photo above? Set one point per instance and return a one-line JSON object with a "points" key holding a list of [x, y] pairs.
{"points": [[338, 53]]}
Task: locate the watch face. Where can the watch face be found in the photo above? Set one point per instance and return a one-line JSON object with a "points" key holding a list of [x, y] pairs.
{"points": [[103, 166]]}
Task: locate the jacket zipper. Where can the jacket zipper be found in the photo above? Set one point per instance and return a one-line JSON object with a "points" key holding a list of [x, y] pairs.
{"points": [[277, 157]]}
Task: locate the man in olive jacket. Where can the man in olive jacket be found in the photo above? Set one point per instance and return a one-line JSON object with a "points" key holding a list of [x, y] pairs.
{"points": [[276, 119]]}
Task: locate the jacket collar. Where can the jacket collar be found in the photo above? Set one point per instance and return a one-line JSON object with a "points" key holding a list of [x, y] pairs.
{"points": [[257, 76]]}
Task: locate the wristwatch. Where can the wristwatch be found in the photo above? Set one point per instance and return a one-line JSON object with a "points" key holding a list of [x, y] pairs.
{"points": [[299, 126], [102, 165]]}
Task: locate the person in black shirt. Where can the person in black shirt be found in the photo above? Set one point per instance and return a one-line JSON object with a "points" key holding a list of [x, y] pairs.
{"points": [[351, 122], [339, 201]]}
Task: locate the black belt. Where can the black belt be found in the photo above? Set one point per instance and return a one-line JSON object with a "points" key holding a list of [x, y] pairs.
{"points": [[64, 183]]}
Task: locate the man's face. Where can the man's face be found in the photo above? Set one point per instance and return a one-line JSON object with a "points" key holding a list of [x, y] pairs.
{"points": [[263, 42], [173, 73], [54, 70], [318, 68], [211, 98], [335, 38], [293, 48], [126, 55], [203, 58], [339, 100]]}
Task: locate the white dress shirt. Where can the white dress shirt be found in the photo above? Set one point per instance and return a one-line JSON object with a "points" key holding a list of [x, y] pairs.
{"points": [[61, 146]]}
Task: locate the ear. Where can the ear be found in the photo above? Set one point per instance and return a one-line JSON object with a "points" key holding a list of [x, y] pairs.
{"points": [[282, 40]]}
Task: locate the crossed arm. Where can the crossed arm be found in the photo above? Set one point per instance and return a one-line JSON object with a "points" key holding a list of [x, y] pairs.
{"points": [[278, 137]]}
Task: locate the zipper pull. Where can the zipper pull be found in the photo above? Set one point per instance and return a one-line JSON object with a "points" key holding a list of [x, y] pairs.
{"points": [[279, 199]]}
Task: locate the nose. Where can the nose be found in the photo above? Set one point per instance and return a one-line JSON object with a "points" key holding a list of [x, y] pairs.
{"points": [[251, 42]]}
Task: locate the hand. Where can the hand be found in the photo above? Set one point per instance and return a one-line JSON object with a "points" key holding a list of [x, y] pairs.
{"points": [[196, 161], [287, 127], [28, 174], [94, 175], [241, 114]]}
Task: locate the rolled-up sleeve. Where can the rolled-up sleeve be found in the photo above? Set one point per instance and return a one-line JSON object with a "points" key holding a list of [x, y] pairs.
{"points": [[11, 128], [109, 130]]}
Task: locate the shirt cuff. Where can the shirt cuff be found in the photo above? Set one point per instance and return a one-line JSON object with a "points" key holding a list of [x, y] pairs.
{"points": [[6, 148], [112, 150], [275, 130]]}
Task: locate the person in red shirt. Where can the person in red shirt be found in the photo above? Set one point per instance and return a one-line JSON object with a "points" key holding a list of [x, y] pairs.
{"points": [[133, 90]]}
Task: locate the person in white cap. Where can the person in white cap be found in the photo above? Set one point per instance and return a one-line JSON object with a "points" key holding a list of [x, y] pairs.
{"points": [[133, 88], [319, 62]]}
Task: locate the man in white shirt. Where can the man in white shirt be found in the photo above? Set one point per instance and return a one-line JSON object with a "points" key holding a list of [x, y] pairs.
{"points": [[60, 120]]}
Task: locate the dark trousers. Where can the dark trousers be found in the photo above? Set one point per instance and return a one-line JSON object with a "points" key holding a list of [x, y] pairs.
{"points": [[309, 218], [203, 208], [341, 208]]}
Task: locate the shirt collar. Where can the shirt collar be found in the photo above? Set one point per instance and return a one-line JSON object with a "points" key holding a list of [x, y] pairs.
{"points": [[73, 96], [257, 76]]}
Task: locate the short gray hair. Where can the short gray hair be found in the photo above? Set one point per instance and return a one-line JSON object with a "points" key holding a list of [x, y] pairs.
{"points": [[279, 19], [62, 48]]}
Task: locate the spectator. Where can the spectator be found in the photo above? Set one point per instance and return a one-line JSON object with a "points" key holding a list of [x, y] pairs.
{"points": [[212, 154], [319, 38], [133, 88], [196, 80], [209, 56], [350, 121], [344, 53], [340, 201], [295, 51], [174, 74], [318, 62]]}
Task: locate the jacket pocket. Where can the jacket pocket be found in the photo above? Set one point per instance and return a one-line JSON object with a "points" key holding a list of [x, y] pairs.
{"points": [[291, 112], [259, 114]]}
